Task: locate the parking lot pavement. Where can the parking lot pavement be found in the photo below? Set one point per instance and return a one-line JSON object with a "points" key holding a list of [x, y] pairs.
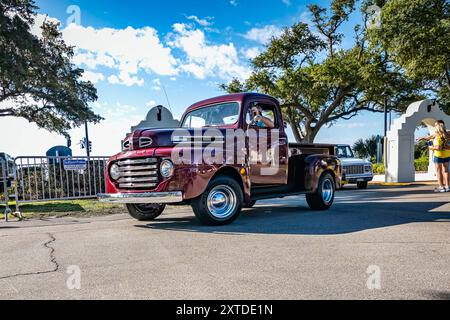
{"points": [[376, 243]]}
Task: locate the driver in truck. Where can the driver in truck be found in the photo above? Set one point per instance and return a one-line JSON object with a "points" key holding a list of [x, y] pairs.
{"points": [[258, 119]]}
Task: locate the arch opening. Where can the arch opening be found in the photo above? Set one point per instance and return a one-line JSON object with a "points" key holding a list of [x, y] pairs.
{"points": [[400, 141]]}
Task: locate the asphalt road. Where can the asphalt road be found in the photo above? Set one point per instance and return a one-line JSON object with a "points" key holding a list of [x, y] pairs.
{"points": [[278, 250]]}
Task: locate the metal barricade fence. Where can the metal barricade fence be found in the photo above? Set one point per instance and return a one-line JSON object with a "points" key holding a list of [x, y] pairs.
{"points": [[39, 179], [4, 186]]}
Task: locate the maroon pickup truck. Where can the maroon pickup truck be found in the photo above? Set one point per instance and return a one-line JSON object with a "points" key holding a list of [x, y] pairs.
{"points": [[227, 153]]}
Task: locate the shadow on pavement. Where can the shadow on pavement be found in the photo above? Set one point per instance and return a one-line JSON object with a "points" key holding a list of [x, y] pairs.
{"points": [[292, 216]]}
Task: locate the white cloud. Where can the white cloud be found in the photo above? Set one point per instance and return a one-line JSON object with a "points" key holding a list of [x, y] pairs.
{"points": [[125, 79], [151, 103], [156, 84], [234, 3], [93, 77], [286, 2], [128, 51], [202, 59], [205, 22], [351, 125], [126, 56], [251, 53], [264, 34]]}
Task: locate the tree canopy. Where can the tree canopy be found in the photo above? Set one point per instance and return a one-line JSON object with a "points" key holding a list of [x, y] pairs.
{"points": [[318, 80], [38, 80], [416, 35]]}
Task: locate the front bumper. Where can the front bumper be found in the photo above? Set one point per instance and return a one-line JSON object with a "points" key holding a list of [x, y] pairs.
{"points": [[354, 178], [140, 198]]}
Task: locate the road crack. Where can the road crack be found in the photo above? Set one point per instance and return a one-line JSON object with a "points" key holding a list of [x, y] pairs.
{"points": [[52, 257]]}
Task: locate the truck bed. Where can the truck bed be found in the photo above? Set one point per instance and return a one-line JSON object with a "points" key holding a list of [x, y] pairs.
{"points": [[298, 152], [313, 148]]}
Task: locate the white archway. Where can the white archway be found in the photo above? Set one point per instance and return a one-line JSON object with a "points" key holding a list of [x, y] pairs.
{"points": [[400, 140]]}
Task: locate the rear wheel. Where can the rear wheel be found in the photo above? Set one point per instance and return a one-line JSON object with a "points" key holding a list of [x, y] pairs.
{"points": [[220, 204], [323, 198], [362, 185], [145, 212]]}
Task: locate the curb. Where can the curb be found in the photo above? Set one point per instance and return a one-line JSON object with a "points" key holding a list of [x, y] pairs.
{"points": [[402, 184]]}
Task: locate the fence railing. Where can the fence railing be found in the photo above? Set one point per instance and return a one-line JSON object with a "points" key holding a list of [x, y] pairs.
{"points": [[5, 186], [39, 179]]}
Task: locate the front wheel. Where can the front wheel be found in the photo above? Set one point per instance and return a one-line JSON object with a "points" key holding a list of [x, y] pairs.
{"points": [[323, 198], [145, 212], [220, 204]]}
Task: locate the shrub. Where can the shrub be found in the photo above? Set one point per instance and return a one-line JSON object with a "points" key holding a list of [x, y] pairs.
{"points": [[421, 164], [378, 168]]}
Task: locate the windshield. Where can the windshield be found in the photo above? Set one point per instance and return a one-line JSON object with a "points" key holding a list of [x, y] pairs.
{"points": [[213, 116], [344, 152]]}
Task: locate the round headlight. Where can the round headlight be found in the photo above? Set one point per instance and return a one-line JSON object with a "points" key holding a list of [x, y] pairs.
{"points": [[114, 172], [166, 168]]}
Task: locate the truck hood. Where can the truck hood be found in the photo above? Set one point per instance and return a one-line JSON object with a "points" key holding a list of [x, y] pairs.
{"points": [[353, 161], [170, 137]]}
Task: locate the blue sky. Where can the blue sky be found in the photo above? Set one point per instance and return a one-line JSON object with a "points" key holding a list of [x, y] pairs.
{"points": [[132, 49]]}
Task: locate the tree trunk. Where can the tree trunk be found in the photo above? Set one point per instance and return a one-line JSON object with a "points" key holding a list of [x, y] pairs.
{"points": [[311, 134], [295, 131]]}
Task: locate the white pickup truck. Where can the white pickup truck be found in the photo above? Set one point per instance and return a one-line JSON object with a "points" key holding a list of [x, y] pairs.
{"points": [[354, 170]]}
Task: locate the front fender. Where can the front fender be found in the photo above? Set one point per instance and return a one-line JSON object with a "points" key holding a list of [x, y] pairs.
{"points": [[316, 165]]}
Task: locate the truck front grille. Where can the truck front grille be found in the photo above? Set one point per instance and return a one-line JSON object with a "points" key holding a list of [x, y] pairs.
{"points": [[355, 169], [141, 173]]}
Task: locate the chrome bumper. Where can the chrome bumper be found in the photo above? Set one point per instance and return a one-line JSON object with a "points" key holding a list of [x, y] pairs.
{"points": [[151, 197]]}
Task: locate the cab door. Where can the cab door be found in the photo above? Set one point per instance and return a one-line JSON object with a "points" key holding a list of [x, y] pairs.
{"points": [[267, 147]]}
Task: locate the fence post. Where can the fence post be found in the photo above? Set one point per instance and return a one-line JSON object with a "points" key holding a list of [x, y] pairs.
{"points": [[3, 164], [16, 191]]}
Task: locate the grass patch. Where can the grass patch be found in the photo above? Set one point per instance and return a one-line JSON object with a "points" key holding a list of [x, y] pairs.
{"points": [[76, 208]]}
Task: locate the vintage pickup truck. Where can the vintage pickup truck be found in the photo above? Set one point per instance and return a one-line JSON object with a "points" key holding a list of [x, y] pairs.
{"points": [[354, 170], [221, 158]]}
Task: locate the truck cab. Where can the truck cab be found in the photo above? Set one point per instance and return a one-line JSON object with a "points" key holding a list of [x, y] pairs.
{"points": [[354, 170], [228, 152]]}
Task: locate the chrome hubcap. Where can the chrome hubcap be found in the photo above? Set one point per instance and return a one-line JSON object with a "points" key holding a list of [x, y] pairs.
{"points": [[222, 201], [327, 191]]}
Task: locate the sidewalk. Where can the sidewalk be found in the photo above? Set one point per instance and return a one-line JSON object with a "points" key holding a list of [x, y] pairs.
{"points": [[420, 177]]}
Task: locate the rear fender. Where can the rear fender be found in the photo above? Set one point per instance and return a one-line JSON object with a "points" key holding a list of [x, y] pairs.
{"points": [[316, 166]]}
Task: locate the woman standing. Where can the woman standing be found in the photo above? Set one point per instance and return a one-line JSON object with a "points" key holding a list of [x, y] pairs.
{"points": [[439, 146]]}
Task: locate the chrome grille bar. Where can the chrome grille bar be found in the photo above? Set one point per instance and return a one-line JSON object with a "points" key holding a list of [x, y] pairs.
{"points": [[355, 169], [144, 179], [137, 168], [137, 185], [139, 173], [137, 161]]}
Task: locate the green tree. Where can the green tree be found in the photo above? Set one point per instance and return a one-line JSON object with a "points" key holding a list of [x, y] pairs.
{"points": [[416, 35], [421, 150], [38, 81], [366, 148], [317, 80]]}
